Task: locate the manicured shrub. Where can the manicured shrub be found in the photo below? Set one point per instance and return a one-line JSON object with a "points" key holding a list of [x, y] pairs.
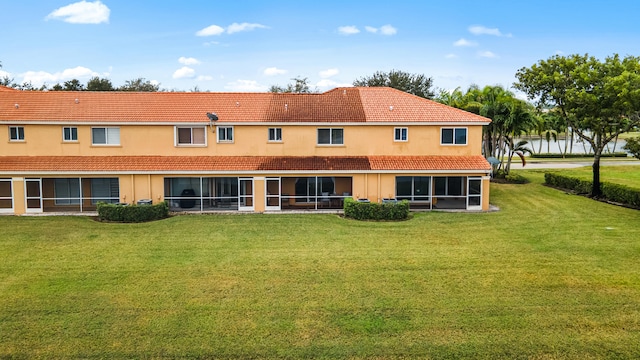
{"points": [[515, 178], [611, 192], [132, 213], [569, 156], [376, 211], [576, 185]]}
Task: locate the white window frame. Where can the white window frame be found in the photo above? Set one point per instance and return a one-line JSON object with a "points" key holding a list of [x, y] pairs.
{"points": [[331, 137], [275, 134], [399, 132], [191, 143], [454, 129], [227, 138], [71, 137], [106, 136], [19, 132]]}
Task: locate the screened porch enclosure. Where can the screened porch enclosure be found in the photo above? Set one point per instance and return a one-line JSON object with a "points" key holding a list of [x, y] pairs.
{"points": [[440, 192], [204, 193], [71, 194], [6, 196], [315, 192]]}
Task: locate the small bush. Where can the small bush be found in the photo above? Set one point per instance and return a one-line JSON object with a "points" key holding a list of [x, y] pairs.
{"points": [[515, 178], [376, 211], [132, 213]]}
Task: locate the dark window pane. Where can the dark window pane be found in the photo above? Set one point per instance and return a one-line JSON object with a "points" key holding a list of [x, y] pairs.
{"points": [[461, 136], [447, 136]]}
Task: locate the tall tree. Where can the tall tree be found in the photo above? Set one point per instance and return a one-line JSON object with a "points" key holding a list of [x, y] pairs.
{"points": [[299, 86], [139, 84], [98, 84], [598, 99], [416, 84], [73, 85]]}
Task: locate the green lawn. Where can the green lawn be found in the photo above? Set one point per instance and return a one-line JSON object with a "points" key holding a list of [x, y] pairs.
{"points": [[626, 175], [548, 276]]}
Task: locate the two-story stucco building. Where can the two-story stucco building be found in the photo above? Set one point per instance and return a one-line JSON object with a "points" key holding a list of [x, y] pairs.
{"points": [[66, 151]]}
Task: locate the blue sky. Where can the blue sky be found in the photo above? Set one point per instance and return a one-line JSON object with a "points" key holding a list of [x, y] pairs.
{"points": [[247, 45]]}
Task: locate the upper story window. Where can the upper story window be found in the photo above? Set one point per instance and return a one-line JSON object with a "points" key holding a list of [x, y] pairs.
{"points": [[225, 134], [275, 134], [16, 133], [105, 136], [191, 135], [330, 136], [401, 134], [453, 136], [69, 133]]}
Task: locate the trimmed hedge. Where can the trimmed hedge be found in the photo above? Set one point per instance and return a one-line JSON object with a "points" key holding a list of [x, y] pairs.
{"points": [[570, 156], [132, 213], [611, 192], [376, 211]]}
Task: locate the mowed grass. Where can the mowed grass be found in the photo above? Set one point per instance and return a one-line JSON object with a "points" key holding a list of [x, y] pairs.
{"points": [[625, 175], [549, 276]]}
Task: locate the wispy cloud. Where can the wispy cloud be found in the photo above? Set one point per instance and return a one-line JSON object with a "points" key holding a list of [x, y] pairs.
{"points": [[245, 85], [82, 12], [330, 84], [188, 61], [348, 30], [328, 73], [235, 27], [383, 30], [451, 56], [272, 71], [184, 72], [204, 78], [214, 30], [487, 54], [483, 30], [465, 42]]}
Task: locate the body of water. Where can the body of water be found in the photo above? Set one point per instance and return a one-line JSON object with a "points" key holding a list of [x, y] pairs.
{"points": [[558, 147]]}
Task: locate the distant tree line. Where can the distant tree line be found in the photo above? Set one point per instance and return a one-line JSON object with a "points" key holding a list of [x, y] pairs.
{"points": [[94, 84]]}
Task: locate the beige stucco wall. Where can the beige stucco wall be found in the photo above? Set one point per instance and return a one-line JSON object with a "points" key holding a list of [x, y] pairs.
{"points": [[248, 140]]}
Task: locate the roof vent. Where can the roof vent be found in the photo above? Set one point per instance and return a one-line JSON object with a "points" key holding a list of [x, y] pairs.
{"points": [[344, 92], [286, 106], [77, 101], [17, 106], [391, 108], [237, 103]]}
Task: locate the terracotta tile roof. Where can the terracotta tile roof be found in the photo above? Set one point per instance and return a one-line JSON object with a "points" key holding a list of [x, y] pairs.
{"points": [[354, 104], [53, 164]]}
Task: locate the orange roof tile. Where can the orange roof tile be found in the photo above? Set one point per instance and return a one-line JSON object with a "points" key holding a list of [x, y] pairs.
{"points": [[90, 164], [355, 104]]}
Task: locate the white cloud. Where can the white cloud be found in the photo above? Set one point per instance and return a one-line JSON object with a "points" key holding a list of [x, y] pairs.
{"points": [[483, 30], [330, 84], [328, 73], [154, 82], [231, 29], [451, 56], [82, 13], [348, 30], [210, 31], [235, 27], [39, 78], [4, 74], [204, 78], [384, 30], [272, 71], [388, 30], [188, 61], [184, 72], [245, 85], [464, 42], [487, 54]]}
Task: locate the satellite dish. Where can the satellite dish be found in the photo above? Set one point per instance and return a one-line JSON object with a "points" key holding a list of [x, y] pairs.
{"points": [[212, 116]]}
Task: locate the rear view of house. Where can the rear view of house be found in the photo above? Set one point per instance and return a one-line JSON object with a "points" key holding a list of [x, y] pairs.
{"points": [[67, 151]]}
